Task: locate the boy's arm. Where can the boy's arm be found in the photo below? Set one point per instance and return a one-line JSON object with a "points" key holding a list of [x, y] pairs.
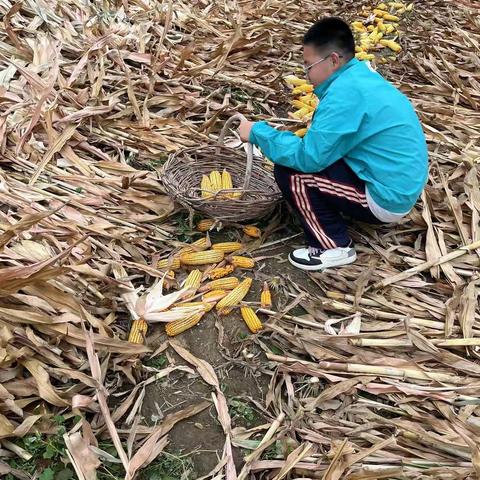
{"points": [[328, 139]]}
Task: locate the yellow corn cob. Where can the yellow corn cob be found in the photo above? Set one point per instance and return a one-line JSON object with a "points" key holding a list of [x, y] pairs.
{"points": [[389, 29], [401, 11], [202, 258], [381, 27], [220, 272], [365, 56], [197, 246], [303, 89], [396, 5], [266, 296], [300, 104], [304, 111], [358, 49], [193, 282], [382, 6], [205, 305], [227, 247], [373, 35], [205, 224], [379, 13], [390, 18], [214, 296], [138, 331], [370, 28], [252, 231], [234, 297], [179, 326], [359, 27], [409, 7], [206, 187], [169, 263], [216, 180], [357, 24], [394, 46], [227, 183], [253, 322], [242, 262], [309, 99], [294, 81], [226, 283], [301, 132]]}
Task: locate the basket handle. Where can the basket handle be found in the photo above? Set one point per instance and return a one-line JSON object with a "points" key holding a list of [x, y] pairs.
{"points": [[248, 169]]}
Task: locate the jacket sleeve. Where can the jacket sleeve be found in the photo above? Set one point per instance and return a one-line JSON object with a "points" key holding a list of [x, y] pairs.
{"points": [[330, 136]]}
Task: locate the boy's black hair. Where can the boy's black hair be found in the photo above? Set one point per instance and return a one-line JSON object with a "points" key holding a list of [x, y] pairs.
{"points": [[331, 34]]}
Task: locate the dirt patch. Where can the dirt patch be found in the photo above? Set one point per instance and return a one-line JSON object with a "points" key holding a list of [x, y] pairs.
{"points": [[227, 345]]}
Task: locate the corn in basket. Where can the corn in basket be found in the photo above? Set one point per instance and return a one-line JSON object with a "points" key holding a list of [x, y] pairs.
{"points": [[256, 197]]}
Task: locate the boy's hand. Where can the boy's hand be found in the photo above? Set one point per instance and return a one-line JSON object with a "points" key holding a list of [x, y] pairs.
{"points": [[244, 129]]}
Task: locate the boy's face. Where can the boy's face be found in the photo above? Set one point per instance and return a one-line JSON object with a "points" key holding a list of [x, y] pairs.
{"points": [[327, 64]]}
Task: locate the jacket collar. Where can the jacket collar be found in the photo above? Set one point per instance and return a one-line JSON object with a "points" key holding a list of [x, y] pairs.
{"points": [[322, 88]]}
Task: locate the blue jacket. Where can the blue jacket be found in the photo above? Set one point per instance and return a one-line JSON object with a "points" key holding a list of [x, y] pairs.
{"points": [[365, 120]]}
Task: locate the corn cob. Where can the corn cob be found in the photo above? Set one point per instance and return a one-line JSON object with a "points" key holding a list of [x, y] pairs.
{"points": [[202, 258], [226, 283], [197, 246], [234, 297], [227, 183], [216, 180], [205, 224], [220, 272], [300, 104], [253, 322], [138, 331], [395, 5], [301, 132], [303, 89], [390, 18], [409, 7], [242, 262], [294, 81], [205, 305], [304, 111], [192, 282], [389, 29], [252, 231], [227, 247], [214, 296], [206, 187], [379, 13], [365, 56], [169, 263], [382, 6], [179, 326], [309, 99], [266, 296], [394, 46]]}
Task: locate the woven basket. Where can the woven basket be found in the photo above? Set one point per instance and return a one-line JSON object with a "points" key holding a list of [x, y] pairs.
{"points": [[182, 173]]}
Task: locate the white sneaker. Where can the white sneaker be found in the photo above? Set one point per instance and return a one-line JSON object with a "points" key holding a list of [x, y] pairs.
{"points": [[311, 259]]}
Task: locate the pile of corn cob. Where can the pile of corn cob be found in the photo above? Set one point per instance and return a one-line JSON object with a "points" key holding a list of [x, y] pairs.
{"points": [[375, 32], [208, 284], [216, 182], [378, 30]]}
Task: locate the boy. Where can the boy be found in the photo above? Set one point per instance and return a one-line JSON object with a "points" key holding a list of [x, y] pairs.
{"points": [[364, 154]]}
